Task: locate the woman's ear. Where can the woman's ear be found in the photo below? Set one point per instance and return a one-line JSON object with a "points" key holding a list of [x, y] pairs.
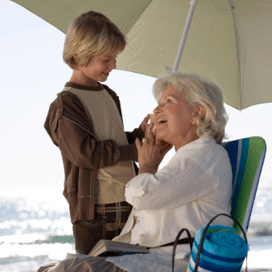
{"points": [[199, 113]]}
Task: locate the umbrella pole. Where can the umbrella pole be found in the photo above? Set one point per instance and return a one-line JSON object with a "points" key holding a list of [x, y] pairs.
{"points": [[193, 4]]}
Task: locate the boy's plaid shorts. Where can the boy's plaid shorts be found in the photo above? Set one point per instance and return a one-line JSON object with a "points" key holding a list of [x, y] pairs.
{"points": [[108, 222]]}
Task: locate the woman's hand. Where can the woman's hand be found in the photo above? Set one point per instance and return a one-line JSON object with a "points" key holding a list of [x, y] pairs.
{"points": [[151, 152], [144, 124]]}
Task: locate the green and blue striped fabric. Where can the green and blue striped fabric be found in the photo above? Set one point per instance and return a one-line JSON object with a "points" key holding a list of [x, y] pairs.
{"points": [[246, 157]]}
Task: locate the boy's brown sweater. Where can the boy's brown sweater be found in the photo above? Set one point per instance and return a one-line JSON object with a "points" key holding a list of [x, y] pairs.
{"points": [[70, 129]]}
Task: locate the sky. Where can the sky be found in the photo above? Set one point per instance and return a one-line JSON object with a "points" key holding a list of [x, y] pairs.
{"points": [[32, 72]]}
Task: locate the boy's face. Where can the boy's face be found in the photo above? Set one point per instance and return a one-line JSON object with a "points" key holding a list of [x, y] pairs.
{"points": [[99, 67]]}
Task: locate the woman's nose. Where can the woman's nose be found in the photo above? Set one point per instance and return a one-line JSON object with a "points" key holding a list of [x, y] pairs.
{"points": [[157, 109]]}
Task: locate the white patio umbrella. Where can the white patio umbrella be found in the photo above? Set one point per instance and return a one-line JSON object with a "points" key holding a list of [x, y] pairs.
{"points": [[230, 41]]}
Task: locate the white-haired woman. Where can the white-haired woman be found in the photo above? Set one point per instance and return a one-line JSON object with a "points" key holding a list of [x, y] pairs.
{"points": [[196, 183], [192, 188]]}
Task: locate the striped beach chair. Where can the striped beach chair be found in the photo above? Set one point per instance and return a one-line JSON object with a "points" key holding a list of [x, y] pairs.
{"points": [[246, 157]]}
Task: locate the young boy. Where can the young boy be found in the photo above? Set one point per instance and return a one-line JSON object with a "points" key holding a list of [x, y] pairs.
{"points": [[85, 123]]}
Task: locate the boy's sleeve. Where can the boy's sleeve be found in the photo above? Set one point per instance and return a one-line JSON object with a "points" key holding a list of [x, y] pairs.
{"points": [[136, 133], [69, 128], [83, 150]]}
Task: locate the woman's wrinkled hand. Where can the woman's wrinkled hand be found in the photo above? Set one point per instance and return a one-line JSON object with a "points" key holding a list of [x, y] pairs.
{"points": [[144, 123], [151, 151]]}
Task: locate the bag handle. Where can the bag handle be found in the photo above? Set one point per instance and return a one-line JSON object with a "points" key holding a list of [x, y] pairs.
{"points": [[176, 243], [203, 236]]}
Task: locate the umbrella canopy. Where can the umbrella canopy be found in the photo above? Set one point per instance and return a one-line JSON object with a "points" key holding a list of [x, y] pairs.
{"points": [[228, 41]]}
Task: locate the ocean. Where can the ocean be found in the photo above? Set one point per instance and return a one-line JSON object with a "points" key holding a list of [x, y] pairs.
{"points": [[35, 229]]}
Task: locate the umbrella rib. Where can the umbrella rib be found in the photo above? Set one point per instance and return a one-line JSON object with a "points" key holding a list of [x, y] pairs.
{"points": [[140, 15], [237, 53], [218, 7]]}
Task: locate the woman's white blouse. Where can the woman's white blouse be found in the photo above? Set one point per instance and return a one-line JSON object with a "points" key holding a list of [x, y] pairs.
{"points": [[192, 188]]}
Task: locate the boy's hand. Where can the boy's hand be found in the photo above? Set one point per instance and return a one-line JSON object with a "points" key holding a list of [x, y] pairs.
{"points": [[144, 124]]}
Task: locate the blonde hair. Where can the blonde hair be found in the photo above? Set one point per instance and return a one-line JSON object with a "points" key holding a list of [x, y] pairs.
{"points": [[91, 34], [199, 91]]}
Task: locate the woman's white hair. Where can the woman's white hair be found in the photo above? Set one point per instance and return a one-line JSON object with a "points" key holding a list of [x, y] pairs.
{"points": [[200, 91]]}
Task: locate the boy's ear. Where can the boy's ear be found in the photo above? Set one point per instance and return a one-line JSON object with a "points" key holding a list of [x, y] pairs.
{"points": [[199, 113]]}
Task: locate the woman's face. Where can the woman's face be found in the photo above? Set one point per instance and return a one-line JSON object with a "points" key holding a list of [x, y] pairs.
{"points": [[175, 118]]}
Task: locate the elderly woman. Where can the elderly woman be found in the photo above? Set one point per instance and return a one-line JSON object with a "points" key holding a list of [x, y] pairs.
{"points": [[196, 183]]}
